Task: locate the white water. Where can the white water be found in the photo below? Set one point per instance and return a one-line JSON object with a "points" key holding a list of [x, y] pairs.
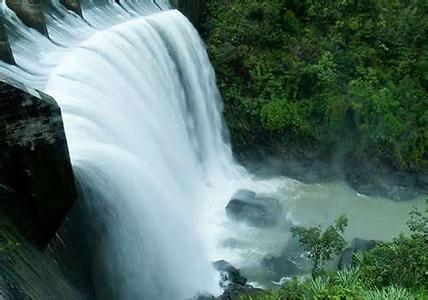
{"points": [[142, 116], [141, 107]]}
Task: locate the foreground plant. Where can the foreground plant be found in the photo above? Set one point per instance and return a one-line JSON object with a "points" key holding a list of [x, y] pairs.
{"points": [[322, 245], [390, 293], [401, 262]]}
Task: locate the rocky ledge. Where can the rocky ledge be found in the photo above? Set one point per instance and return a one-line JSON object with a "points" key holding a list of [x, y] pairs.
{"points": [[36, 180]]}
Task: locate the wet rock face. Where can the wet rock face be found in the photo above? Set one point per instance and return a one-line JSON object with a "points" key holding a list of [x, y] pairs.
{"points": [[73, 5], [36, 180], [233, 283], [5, 51], [27, 272], [246, 206], [229, 274], [377, 179], [30, 12]]}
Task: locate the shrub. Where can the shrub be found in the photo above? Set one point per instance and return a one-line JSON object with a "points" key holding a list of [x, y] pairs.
{"points": [[316, 287], [388, 293], [348, 277], [402, 262], [321, 246]]}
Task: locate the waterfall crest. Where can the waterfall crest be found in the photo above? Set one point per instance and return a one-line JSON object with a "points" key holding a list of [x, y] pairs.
{"points": [[142, 115]]}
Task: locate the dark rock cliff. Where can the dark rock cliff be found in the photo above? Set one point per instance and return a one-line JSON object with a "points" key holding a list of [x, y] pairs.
{"points": [[36, 180]]}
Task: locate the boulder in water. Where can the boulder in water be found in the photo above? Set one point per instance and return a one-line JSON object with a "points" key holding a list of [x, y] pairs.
{"points": [[233, 282], [246, 206], [229, 274]]}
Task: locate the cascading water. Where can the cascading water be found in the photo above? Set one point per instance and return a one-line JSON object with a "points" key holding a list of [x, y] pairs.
{"points": [[143, 121]]}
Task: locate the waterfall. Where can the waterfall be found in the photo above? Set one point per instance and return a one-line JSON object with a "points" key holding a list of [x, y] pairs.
{"points": [[142, 116]]}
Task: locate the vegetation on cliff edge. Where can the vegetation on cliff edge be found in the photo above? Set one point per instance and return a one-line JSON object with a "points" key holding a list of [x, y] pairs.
{"points": [[342, 77]]}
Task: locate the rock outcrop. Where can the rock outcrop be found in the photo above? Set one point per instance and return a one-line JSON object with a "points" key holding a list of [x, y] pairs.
{"points": [[5, 51], [377, 179], [28, 273], [73, 5], [36, 180], [30, 12], [233, 283]]}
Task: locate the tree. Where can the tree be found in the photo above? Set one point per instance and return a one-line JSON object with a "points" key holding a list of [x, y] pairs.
{"points": [[401, 262], [322, 245], [418, 221]]}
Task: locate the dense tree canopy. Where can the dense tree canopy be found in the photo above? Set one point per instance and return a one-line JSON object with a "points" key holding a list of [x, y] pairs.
{"points": [[342, 76]]}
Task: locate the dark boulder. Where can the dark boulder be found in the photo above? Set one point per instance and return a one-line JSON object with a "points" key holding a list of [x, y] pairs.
{"points": [[246, 207], [357, 245], [233, 283], [36, 179], [30, 13], [229, 274]]}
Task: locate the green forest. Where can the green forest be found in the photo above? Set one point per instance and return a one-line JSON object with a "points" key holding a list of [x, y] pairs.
{"points": [[344, 78]]}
